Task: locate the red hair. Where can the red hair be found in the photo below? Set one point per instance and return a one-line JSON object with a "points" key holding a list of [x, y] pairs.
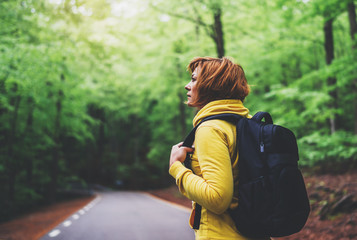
{"points": [[218, 78]]}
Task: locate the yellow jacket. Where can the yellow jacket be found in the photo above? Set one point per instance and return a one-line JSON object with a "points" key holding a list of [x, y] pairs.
{"points": [[213, 159]]}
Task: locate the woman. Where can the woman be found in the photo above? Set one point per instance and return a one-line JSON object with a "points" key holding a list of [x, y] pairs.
{"points": [[217, 86]]}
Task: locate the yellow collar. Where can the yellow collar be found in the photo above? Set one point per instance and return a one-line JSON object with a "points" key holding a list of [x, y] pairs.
{"points": [[234, 106]]}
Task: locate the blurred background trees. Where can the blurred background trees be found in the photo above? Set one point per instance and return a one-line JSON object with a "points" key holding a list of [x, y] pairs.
{"points": [[93, 91]]}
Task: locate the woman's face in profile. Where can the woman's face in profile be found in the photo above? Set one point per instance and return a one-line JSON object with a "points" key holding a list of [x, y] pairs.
{"points": [[191, 88]]}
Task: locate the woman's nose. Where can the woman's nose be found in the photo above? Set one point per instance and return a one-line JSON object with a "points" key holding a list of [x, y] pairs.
{"points": [[187, 87]]}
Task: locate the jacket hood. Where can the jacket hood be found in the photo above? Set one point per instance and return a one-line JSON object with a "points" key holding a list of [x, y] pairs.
{"points": [[234, 106]]}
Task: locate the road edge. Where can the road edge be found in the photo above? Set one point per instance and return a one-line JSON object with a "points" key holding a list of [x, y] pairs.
{"points": [[172, 204]]}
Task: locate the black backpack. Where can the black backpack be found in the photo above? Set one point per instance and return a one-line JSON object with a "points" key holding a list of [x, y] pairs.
{"points": [[272, 198]]}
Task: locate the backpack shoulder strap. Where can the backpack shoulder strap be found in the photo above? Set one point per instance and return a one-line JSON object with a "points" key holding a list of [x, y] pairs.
{"points": [[229, 117]]}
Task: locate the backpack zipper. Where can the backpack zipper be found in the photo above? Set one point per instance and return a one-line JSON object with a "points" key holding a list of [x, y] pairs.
{"points": [[261, 139]]}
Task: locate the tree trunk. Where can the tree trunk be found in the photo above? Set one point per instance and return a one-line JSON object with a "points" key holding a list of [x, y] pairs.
{"points": [[352, 19], [55, 154], [3, 109], [97, 151], [218, 33], [28, 133], [182, 117], [331, 81], [182, 106], [11, 159], [52, 191], [197, 31], [353, 31], [100, 148]]}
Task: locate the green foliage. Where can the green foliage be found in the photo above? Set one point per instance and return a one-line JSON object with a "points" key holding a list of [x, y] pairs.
{"points": [[93, 91], [333, 149]]}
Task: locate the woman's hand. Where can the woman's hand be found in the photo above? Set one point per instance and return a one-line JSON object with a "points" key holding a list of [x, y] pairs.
{"points": [[178, 153]]}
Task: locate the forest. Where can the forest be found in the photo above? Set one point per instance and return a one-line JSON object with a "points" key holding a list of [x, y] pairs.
{"points": [[92, 91]]}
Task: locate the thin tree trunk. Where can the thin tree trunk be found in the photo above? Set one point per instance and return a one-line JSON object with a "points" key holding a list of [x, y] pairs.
{"points": [[182, 106], [101, 144], [218, 33], [352, 19], [331, 81], [100, 147], [3, 109], [52, 191], [97, 151], [29, 133], [55, 153], [182, 111], [12, 161], [197, 31], [351, 8]]}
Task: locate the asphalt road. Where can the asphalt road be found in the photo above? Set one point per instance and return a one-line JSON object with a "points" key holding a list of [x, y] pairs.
{"points": [[125, 216]]}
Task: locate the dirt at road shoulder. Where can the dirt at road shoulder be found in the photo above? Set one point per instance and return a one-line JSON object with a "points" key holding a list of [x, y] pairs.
{"points": [[172, 194], [36, 224]]}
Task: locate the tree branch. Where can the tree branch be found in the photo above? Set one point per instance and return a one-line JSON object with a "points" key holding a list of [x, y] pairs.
{"points": [[198, 20]]}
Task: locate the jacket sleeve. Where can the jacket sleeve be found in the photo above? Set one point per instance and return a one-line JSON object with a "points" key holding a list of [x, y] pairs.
{"points": [[214, 190]]}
